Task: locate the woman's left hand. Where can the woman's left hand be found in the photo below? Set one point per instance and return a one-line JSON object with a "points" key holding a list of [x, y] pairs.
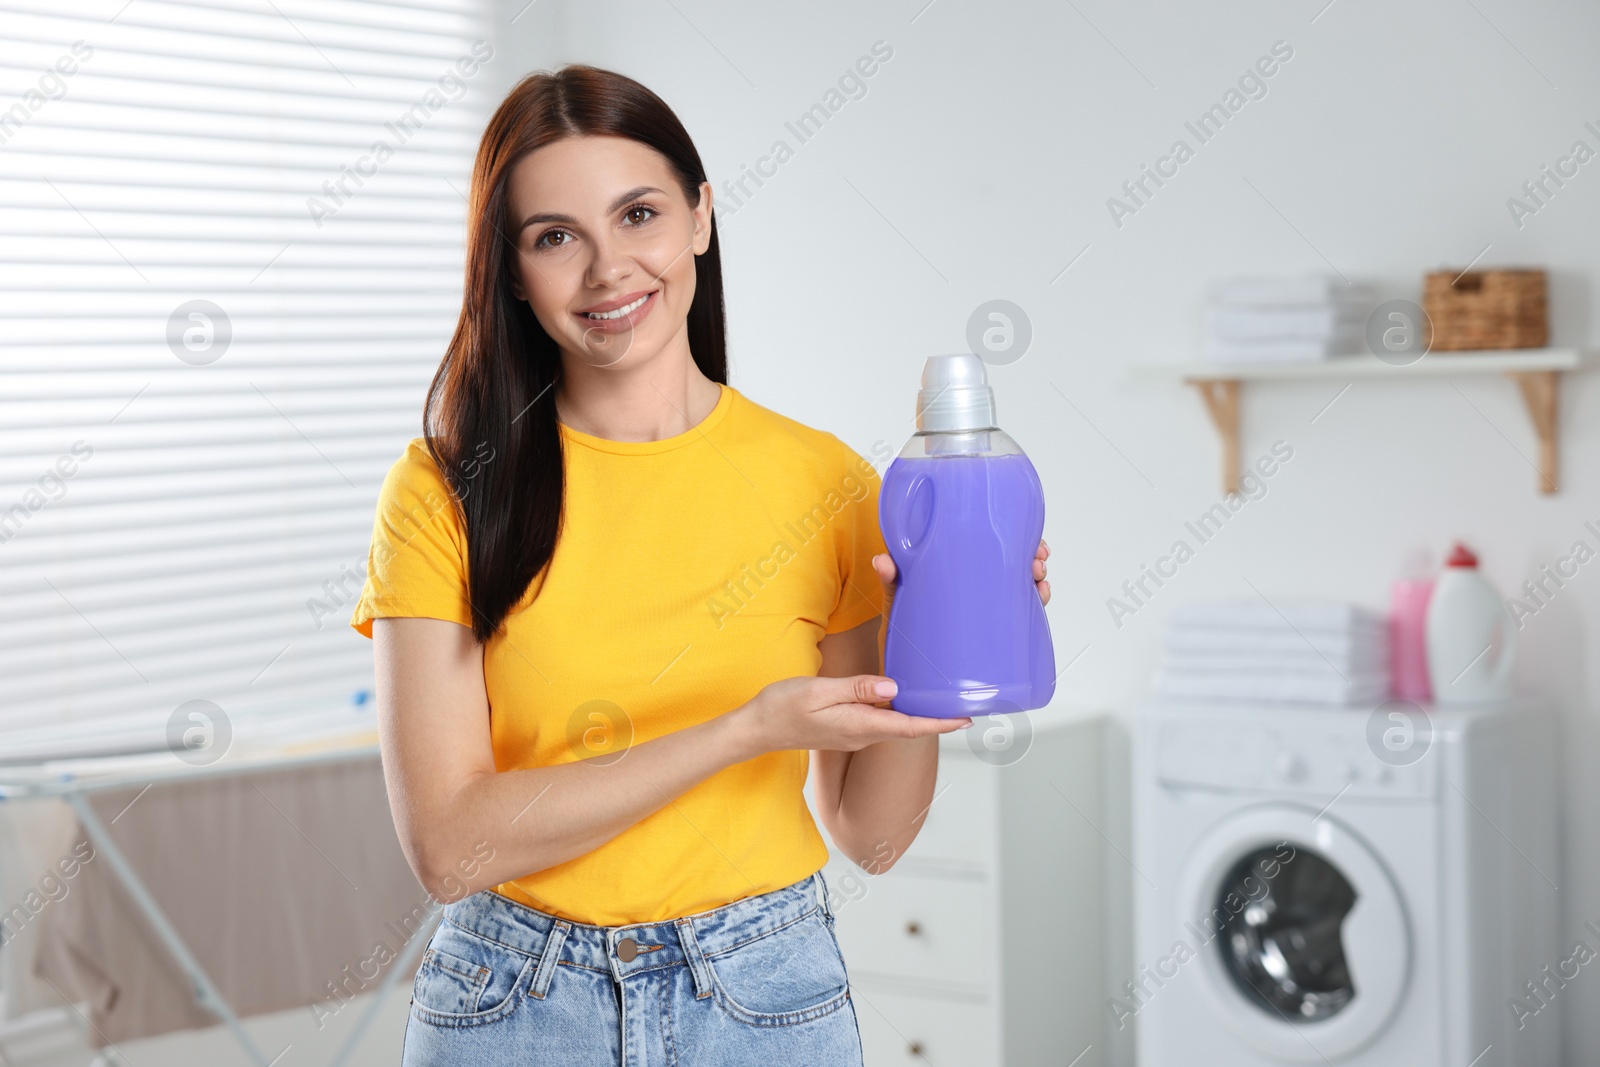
{"points": [[883, 563]]}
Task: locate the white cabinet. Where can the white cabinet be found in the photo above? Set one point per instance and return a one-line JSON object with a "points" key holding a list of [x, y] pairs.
{"points": [[916, 1027], [984, 944]]}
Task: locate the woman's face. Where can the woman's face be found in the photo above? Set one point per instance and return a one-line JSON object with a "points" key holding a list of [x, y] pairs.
{"points": [[605, 246]]}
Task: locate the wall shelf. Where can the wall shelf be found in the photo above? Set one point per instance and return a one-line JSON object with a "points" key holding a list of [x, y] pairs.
{"points": [[1536, 371]]}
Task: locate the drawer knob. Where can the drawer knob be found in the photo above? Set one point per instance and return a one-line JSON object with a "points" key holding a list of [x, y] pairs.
{"points": [[913, 928], [915, 1048]]}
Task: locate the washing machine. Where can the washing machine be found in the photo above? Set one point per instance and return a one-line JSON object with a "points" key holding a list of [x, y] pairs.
{"points": [[1344, 887]]}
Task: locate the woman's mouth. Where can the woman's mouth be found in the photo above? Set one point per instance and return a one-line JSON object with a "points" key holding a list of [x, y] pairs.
{"points": [[623, 318]]}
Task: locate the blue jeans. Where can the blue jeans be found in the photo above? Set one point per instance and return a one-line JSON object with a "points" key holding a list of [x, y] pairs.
{"points": [[756, 983]]}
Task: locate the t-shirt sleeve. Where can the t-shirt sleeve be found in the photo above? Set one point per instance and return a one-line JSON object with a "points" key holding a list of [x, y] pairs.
{"points": [[857, 538], [417, 561]]}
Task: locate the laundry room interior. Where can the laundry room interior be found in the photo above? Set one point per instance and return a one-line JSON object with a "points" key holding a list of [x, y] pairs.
{"points": [[1291, 308]]}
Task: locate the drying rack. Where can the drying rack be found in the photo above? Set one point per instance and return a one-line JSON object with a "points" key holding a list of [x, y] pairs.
{"points": [[75, 785]]}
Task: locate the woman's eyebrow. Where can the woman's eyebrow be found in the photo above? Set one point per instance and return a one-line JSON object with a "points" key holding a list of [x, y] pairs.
{"points": [[568, 220]]}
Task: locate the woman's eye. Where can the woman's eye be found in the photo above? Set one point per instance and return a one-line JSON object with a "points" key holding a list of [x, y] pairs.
{"points": [[549, 240]]}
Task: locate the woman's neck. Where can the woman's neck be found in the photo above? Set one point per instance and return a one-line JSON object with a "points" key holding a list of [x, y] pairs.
{"points": [[649, 404]]}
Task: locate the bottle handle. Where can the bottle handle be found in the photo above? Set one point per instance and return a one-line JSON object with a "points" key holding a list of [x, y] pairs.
{"points": [[914, 505]]}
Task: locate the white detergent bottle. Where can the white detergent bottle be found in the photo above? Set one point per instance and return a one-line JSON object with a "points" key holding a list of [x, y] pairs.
{"points": [[1471, 636]]}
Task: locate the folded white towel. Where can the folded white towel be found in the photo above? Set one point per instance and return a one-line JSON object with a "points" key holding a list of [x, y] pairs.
{"points": [[1336, 646], [1291, 289], [1363, 689], [1282, 349], [1285, 614], [1303, 660], [1265, 322]]}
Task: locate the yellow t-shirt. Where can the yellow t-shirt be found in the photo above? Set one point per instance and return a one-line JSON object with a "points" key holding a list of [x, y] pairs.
{"points": [[690, 572]]}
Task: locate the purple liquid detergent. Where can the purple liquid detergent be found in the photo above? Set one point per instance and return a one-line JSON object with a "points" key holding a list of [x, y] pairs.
{"points": [[962, 511]]}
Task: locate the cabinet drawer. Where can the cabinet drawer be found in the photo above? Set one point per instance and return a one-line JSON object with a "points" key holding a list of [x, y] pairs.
{"points": [[900, 1029], [934, 929], [960, 828], [958, 838]]}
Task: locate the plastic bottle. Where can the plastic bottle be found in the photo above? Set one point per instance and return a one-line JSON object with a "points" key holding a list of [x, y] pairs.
{"points": [[962, 511], [1471, 638], [1408, 632]]}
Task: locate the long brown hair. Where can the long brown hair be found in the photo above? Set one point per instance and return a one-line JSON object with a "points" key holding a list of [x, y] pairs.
{"points": [[494, 430]]}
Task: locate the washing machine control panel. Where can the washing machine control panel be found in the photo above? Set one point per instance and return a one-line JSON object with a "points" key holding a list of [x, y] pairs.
{"points": [[1319, 759]]}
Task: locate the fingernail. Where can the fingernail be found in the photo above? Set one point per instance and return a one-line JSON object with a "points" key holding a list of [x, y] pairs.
{"points": [[886, 689], [965, 725]]}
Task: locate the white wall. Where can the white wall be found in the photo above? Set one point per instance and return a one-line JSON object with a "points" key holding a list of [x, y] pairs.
{"points": [[978, 165]]}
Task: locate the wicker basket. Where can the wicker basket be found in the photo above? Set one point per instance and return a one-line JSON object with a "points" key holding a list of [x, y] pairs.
{"points": [[1486, 309]]}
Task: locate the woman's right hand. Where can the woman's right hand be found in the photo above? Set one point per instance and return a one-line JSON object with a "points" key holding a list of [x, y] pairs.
{"points": [[833, 713]]}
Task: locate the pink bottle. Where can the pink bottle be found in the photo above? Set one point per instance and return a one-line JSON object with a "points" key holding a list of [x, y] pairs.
{"points": [[1408, 633]]}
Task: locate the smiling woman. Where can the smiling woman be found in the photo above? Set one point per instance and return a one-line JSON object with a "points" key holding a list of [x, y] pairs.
{"points": [[645, 225], [549, 682]]}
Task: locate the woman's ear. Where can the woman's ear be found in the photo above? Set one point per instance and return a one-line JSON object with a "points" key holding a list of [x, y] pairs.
{"points": [[702, 220], [516, 283]]}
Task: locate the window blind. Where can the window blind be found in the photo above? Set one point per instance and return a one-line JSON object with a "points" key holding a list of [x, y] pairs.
{"points": [[232, 258]]}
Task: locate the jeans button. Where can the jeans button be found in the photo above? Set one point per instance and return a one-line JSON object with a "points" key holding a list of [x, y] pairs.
{"points": [[627, 949]]}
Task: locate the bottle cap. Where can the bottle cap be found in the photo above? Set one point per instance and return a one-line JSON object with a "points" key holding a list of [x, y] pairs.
{"points": [[955, 396], [1461, 556]]}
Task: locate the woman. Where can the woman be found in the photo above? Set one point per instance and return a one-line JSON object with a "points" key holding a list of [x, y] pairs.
{"points": [[614, 605]]}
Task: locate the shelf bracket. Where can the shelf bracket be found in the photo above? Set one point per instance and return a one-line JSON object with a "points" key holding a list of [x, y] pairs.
{"points": [[1539, 391], [1222, 403]]}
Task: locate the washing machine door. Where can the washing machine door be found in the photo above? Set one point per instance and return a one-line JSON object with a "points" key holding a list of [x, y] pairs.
{"points": [[1306, 947]]}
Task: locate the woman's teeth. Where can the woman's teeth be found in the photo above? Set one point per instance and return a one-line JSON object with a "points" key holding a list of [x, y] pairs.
{"points": [[619, 312]]}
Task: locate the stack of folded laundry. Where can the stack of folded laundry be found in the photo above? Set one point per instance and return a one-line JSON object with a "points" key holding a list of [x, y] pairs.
{"points": [[1289, 319], [1311, 651]]}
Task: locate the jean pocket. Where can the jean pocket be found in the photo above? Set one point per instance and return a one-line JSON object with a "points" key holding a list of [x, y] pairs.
{"points": [[791, 975], [466, 980]]}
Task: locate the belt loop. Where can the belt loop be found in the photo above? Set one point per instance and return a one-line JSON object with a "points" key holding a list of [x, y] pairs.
{"points": [[827, 900], [549, 957], [697, 959]]}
